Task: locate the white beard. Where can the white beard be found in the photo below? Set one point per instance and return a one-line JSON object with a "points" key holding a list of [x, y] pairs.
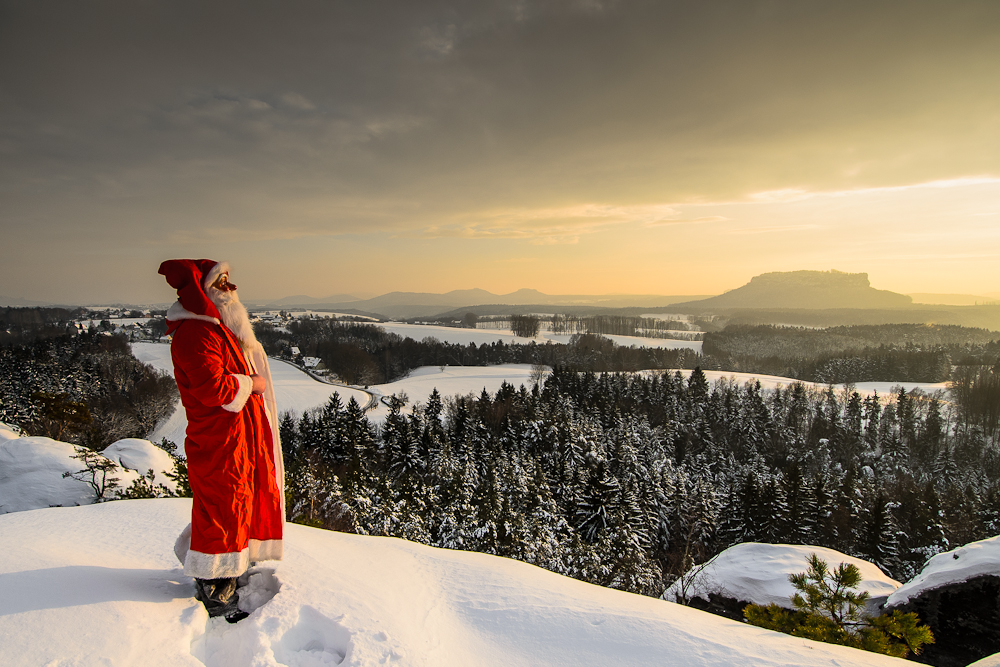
{"points": [[234, 315]]}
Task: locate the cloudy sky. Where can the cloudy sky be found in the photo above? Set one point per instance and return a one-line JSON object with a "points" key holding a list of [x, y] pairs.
{"points": [[571, 146]]}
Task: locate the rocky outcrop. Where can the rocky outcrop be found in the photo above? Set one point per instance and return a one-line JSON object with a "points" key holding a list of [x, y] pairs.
{"points": [[964, 617], [806, 289]]}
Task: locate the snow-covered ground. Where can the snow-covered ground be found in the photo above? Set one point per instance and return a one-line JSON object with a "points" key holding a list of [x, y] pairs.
{"points": [[459, 336], [758, 573], [99, 585], [297, 391], [951, 567]]}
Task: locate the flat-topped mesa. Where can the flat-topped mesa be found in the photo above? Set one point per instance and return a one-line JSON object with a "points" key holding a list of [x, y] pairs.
{"points": [[813, 278], [807, 289]]}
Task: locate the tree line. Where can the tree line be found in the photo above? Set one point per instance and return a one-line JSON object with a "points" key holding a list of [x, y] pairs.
{"points": [[890, 352]]}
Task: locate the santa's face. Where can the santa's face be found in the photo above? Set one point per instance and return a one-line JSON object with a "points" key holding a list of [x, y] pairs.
{"points": [[232, 313], [223, 285]]}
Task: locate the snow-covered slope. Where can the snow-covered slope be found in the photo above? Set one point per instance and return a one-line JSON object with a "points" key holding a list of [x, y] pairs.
{"points": [[951, 567], [31, 475], [758, 573], [141, 456], [99, 585]]}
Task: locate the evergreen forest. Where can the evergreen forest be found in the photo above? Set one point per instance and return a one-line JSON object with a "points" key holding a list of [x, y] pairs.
{"points": [[627, 480]]}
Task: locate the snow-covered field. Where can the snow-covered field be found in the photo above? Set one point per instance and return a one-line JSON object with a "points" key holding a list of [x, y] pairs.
{"points": [[460, 336], [452, 380], [99, 585], [297, 391]]}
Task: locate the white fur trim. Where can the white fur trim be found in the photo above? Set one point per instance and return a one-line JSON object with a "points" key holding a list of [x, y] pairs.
{"points": [[263, 367], [215, 566], [179, 312], [183, 544], [217, 270], [266, 550], [246, 388]]}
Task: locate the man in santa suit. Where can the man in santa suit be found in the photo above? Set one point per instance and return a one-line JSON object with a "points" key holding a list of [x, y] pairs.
{"points": [[233, 451]]}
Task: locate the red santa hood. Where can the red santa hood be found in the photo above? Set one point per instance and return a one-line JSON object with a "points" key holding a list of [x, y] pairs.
{"points": [[191, 277]]}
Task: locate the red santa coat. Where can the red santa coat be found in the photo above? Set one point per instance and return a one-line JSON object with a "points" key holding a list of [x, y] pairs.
{"points": [[232, 446]]}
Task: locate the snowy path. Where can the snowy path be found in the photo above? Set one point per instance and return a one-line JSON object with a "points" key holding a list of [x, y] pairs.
{"points": [[118, 597]]}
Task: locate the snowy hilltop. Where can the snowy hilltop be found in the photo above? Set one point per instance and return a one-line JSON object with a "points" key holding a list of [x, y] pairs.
{"points": [[118, 597]]}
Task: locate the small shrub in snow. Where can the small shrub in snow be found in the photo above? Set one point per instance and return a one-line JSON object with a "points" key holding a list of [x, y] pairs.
{"points": [[179, 475], [829, 609], [144, 487]]}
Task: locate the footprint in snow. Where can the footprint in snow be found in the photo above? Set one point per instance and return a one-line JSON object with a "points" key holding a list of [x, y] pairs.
{"points": [[315, 640], [257, 587]]}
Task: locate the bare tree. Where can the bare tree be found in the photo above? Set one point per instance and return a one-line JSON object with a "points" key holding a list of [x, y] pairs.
{"points": [[96, 473]]}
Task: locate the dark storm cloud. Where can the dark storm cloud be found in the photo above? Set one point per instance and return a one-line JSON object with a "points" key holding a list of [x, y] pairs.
{"points": [[163, 120]]}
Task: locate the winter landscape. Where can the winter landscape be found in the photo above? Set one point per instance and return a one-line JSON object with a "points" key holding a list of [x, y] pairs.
{"points": [[469, 607], [514, 332]]}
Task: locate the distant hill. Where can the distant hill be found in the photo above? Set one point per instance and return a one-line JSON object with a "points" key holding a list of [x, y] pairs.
{"points": [[19, 302], [805, 289], [304, 300], [427, 304]]}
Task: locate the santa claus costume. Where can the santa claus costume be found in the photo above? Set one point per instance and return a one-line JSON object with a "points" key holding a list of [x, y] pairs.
{"points": [[233, 450]]}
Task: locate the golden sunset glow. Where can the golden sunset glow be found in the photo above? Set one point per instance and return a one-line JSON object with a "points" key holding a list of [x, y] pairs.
{"points": [[575, 148]]}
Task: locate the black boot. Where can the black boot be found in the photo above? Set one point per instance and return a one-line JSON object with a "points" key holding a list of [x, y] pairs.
{"points": [[220, 598]]}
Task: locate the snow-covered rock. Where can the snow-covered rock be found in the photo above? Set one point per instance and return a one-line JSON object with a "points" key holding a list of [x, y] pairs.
{"points": [[31, 474], [957, 594], [758, 573], [950, 567], [100, 585], [142, 456]]}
